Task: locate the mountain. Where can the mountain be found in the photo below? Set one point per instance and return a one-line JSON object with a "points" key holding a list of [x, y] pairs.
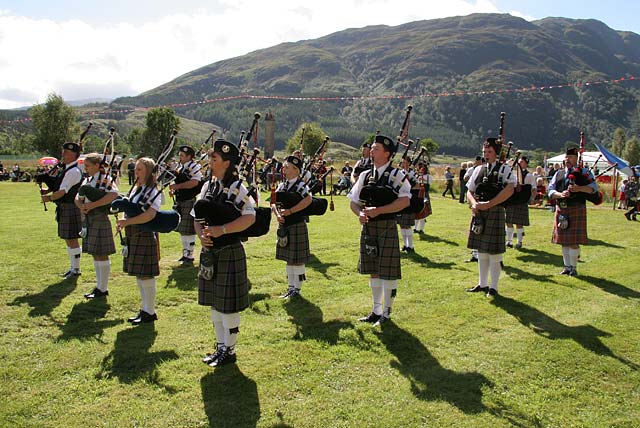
{"points": [[457, 55]]}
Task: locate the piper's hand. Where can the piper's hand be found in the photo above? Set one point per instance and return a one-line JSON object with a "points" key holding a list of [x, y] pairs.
{"points": [[566, 193], [363, 218], [121, 224], [371, 212], [172, 190], [87, 207], [482, 206], [474, 208], [44, 191], [205, 240], [213, 231], [280, 218]]}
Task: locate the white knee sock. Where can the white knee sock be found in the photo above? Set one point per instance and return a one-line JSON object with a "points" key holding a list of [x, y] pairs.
{"points": [[148, 294], [409, 238], [389, 286], [474, 253], [573, 256], [420, 224], [299, 275], [520, 233], [74, 257], [188, 245], [291, 280], [483, 269], [566, 255], [376, 294], [231, 323], [103, 270], [495, 268], [509, 235], [218, 327]]}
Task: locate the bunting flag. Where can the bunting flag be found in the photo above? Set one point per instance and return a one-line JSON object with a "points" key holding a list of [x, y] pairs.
{"points": [[347, 98], [621, 165]]}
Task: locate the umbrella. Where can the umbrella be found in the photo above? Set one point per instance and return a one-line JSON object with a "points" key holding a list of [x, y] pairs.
{"points": [[47, 160]]}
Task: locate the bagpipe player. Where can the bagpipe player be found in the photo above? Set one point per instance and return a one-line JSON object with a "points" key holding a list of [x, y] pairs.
{"points": [[376, 198], [62, 190]]}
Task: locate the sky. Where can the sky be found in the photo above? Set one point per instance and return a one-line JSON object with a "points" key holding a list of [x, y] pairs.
{"points": [[87, 49]]}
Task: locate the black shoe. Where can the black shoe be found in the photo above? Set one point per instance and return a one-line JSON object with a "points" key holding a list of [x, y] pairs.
{"points": [[410, 250], [566, 270], [224, 359], [492, 292], [415, 231], [381, 320], [209, 358], [181, 259], [509, 244], [573, 272], [287, 293], [421, 232], [71, 273], [518, 245], [628, 216], [371, 318], [292, 294], [403, 249], [471, 260], [96, 293], [187, 262], [135, 317], [144, 318], [477, 289]]}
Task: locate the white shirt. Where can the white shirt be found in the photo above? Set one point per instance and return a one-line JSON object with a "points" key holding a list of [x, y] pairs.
{"points": [[504, 175], [72, 177], [397, 176], [152, 194], [243, 195]]}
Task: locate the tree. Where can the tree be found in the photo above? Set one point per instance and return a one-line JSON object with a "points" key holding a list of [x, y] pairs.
{"points": [[160, 124], [632, 151], [313, 137], [618, 142], [55, 123], [134, 141], [430, 146]]}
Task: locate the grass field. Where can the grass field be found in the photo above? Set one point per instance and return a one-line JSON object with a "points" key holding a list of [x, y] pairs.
{"points": [[551, 351]]}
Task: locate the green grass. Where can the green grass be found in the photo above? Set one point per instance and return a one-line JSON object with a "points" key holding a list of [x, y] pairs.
{"points": [[553, 351]]}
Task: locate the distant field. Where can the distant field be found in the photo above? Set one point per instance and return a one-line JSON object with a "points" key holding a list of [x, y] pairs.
{"points": [[552, 351]]}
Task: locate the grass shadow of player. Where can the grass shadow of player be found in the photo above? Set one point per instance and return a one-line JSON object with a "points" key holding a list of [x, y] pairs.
{"points": [[515, 273], [610, 287], [316, 264], [599, 243], [434, 239], [130, 359], [527, 255], [230, 398], [424, 261], [542, 324], [308, 319], [255, 299], [44, 302], [183, 277], [85, 320], [429, 380]]}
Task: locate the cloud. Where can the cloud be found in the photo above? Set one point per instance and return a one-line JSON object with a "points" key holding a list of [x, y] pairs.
{"points": [[79, 60]]}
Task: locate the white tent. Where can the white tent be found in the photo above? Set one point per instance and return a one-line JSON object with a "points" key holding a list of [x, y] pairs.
{"points": [[588, 159]]}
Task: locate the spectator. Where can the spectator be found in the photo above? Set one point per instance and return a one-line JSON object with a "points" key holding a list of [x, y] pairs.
{"points": [[448, 176]]}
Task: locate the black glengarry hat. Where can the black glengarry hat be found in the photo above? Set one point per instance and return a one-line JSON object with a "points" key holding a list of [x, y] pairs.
{"points": [[74, 147], [226, 150], [187, 149], [495, 143], [572, 151], [295, 161], [387, 142]]}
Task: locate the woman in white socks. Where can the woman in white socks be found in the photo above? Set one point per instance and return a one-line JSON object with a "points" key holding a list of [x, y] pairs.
{"points": [[293, 236], [222, 282], [98, 238], [142, 258]]}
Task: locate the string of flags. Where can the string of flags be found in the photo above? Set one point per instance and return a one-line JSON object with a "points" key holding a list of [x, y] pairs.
{"points": [[532, 88]]}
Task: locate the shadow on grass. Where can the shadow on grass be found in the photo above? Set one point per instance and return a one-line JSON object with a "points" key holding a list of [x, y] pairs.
{"points": [[255, 298], [599, 243], [610, 287], [131, 360], [44, 302], [317, 265], [230, 398], [515, 273], [183, 278], [536, 256], [424, 261], [85, 320], [429, 380], [307, 318], [430, 238], [586, 336]]}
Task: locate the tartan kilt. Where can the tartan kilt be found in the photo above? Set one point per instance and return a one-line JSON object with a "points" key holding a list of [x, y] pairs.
{"points": [[143, 253], [576, 233], [99, 239], [297, 251], [406, 220], [387, 263], [69, 221], [186, 220], [517, 214], [492, 240], [228, 291]]}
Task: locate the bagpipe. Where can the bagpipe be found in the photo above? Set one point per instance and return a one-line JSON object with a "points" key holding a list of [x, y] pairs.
{"points": [[579, 177], [490, 186], [103, 183], [53, 178], [216, 211], [165, 220], [314, 182]]}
